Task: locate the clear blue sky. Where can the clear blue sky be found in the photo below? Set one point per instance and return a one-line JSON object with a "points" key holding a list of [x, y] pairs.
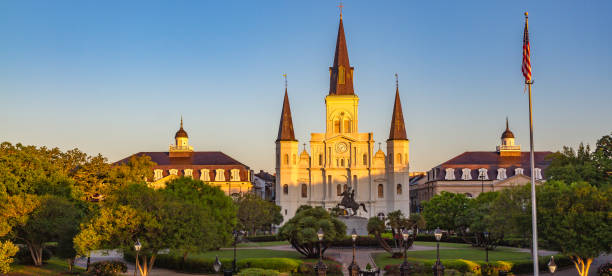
{"points": [[113, 77]]}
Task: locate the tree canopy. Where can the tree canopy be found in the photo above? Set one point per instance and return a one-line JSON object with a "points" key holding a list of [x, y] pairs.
{"points": [[301, 230], [447, 211], [254, 213]]}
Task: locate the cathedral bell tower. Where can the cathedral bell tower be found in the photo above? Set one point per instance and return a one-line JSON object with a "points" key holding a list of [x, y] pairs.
{"points": [[286, 162], [398, 164]]}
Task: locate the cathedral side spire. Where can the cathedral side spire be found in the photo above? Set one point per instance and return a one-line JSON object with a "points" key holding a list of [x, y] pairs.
{"points": [[398, 128], [341, 73], [285, 127]]}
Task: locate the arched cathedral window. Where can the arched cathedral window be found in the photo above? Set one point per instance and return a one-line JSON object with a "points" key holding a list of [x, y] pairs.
{"points": [[320, 159], [365, 159], [286, 189], [381, 192], [399, 189], [304, 191], [286, 159], [336, 126], [338, 189]]}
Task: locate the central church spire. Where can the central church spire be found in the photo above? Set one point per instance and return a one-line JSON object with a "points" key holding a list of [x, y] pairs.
{"points": [[341, 73]]}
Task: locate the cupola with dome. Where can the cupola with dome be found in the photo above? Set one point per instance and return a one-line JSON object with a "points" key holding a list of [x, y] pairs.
{"points": [[507, 147]]}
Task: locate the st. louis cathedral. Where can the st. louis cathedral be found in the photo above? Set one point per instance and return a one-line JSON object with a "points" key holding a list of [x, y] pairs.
{"points": [[342, 158]]}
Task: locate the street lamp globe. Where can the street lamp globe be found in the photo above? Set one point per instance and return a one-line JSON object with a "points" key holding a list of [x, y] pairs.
{"points": [[552, 266], [438, 234], [354, 235], [320, 234], [217, 264], [137, 245], [405, 234]]}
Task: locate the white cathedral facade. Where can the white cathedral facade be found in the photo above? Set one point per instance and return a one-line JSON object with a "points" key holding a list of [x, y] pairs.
{"points": [[342, 158]]}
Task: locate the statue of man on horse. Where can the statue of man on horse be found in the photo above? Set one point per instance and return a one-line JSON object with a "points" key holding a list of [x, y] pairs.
{"points": [[348, 202]]}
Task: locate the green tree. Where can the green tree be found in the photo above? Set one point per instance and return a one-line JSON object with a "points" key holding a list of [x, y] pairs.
{"points": [[576, 220], [255, 213], [397, 222], [447, 211], [7, 251], [36, 220], [301, 230]]}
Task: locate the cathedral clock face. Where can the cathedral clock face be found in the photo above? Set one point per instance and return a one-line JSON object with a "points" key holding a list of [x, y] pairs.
{"points": [[341, 147]]}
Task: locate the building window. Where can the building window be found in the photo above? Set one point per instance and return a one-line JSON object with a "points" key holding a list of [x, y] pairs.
{"points": [[337, 162], [219, 175], [342, 162], [285, 191], [450, 174], [399, 189], [336, 126], [294, 159], [518, 171], [344, 188], [286, 161], [173, 172], [235, 176], [399, 158], [341, 74], [482, 174], [320, 159], [466, 174], [501, 174], [329, 179], [365, 159], [338, 189], [204, 175], [538, 173], [304, 191], [159, 174], [188, 173], [381, 192], [347, 126]]}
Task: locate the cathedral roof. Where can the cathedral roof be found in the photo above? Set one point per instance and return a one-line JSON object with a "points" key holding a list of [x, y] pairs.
{"points": [[341, 72], [197, 158], [507, 133], [285, 127], [181, 132], [398, 128]]}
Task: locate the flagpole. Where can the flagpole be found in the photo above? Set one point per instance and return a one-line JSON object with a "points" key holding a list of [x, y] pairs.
{"points": [[534, 220]]}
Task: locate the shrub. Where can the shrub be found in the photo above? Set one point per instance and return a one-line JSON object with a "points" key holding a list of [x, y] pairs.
{"points": [[108, 268], [605, 269], [395, 269], [333, 269], [258, 272], [279, 264]]}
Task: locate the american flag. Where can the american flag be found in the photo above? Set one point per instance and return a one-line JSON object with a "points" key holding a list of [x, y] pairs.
{"points": [[526, 57]]}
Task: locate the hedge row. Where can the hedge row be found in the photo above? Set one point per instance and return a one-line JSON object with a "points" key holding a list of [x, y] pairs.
{"points": [[479, 267], [204, 265]]}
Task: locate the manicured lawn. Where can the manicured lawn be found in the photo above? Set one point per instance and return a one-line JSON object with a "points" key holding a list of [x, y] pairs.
{"points": [[52, 267], [248, 253], [262, 244], [443, 244], [474, 254]]}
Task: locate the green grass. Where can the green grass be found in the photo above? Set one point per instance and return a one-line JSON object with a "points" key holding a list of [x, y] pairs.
{"points": [[262, 244], [248, 253], [473, 254], [53, 267], [443, 244]]}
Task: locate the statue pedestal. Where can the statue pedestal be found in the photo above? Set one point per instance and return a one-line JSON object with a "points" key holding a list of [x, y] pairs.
{"points": [[360, 224]]}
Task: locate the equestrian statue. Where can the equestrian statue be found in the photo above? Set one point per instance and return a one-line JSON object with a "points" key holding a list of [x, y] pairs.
{"points": [[348, 202]]}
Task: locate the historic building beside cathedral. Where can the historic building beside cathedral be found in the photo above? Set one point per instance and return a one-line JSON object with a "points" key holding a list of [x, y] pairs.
{"points": [[474, 172], [213, 167], [342, 157]]}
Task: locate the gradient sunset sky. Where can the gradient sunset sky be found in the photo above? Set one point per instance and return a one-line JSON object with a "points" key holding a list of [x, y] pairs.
{"points": [[114, 77]]}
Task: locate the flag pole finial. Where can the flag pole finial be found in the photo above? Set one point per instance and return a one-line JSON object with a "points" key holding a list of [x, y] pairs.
{"points": [[526, 14]]}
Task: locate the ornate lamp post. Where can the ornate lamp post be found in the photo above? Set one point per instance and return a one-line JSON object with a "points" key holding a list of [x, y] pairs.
{"points": [[486, 244], [438, 268], [353, 267], [320, 268], [552, 266], [137, 247], [405, 267]]}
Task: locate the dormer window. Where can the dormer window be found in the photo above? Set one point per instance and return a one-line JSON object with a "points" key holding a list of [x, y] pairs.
{"points": [[188, 173], [205, 175], [219, 175], [501, 174], [482, 174], [173, 172], [159, 174], [450, 174], [466, 174], [235, 175], [518, 171], [538, 173]]}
